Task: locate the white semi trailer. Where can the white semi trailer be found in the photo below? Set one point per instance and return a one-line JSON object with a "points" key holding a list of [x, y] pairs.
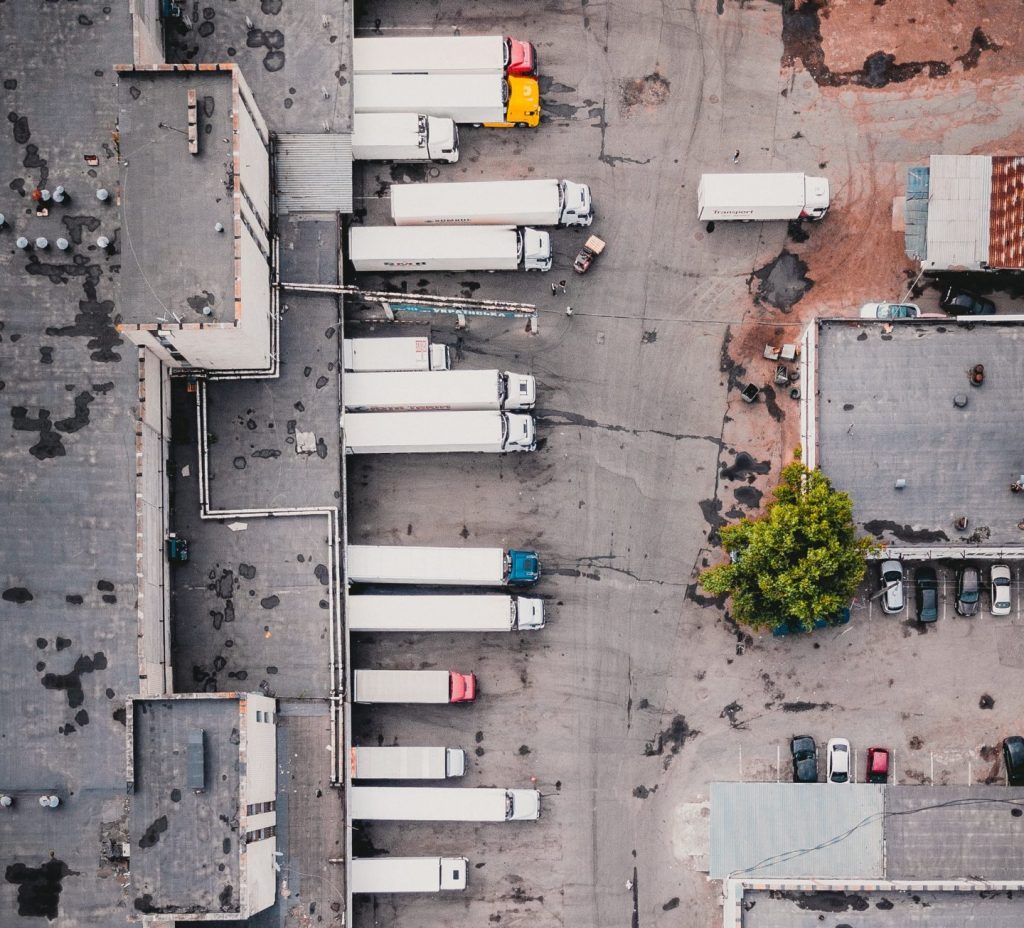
{"points": [[502, 202], [395, 763], [488, 612], [408, 353], [763, 197], [404, 137], [413, 686], [408, 874], [443, 804], [430, 54], [422, 566], [437, 390], [411, 249], [438, 432]]}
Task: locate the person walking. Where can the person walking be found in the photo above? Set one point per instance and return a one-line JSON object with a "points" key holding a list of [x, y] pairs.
{"points": [[568, 310], [736, 157]]}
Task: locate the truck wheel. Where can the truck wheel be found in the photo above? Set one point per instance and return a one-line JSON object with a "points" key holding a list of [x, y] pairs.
{"points": [[522, 125]]}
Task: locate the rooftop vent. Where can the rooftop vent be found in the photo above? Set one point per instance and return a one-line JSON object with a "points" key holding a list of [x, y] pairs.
{"points": [[196, 760]]}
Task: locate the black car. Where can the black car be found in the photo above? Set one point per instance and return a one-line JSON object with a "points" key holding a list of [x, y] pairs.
{"points": [[1013, 759], [926, 593], [965, 303], [805, 759], [968, 591]]}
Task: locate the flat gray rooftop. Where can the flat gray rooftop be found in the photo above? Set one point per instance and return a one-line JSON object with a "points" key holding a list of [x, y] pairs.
{"points": [[946, 832], [886, 411], [175, 262], [290, 56], [68, 637], [185, 853], [787, 830], [791, 909]]}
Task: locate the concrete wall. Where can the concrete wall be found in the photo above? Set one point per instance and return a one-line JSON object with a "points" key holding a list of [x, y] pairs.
{"points": [[153, 432]]}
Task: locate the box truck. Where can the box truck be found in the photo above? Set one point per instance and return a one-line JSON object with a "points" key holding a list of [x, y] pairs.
{"points": [[409, 391], [404, 137], [410, 353], [438, 432], [498, 202], [412, 564], [443, 804], [408, 874], [463, 54], [761, 196], [466, 613], [427, 248], [406, 763], [477, 99], [419, 686]]}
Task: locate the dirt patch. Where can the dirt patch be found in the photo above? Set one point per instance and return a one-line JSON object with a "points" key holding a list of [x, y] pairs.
{"points": [[646, 92]]}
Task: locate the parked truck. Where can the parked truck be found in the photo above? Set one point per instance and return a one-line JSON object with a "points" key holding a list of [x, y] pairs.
{"points": [[412, 249], [367, 763], [477, 54], [467, 613], [476, 99], [762, 197], [437, 390], [438, 432], [404, 137], [408, 874], [409, 353], [500, 202], [443, 804], [413, 564], [413, 686]]}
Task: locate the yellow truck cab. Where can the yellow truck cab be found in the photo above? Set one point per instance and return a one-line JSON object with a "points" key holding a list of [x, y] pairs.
{"points": [[522, 103]]}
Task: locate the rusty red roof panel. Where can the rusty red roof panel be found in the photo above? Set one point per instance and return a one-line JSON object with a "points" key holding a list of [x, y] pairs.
{"points": [[1006, 212]]}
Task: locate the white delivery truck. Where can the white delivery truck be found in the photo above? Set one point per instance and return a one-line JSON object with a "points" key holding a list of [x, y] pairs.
{"points": [[475, 99], [438, 432], [413, 564], [404, 137], [408, 874], [500, 202], [481, 54], [443, 804], [423, 248], [437, 390], [488, 612], [409, 353], [761, 197], [406, 763], [413, 686]]}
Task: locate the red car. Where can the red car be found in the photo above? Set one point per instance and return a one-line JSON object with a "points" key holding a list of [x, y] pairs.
{"points": [[878, 765]]}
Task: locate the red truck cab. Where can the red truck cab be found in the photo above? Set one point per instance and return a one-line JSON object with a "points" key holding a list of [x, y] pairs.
{"points": [[462, 686], [522, 58]]}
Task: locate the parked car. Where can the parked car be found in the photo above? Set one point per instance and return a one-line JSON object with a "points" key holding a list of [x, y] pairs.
{"points": [[1002, 589], [795, 628], [892, 586], [878, 765], [926, 592], [805, 759], [968, 591], [838, 761], [965, 303], [890, 311], [1013, 760]]}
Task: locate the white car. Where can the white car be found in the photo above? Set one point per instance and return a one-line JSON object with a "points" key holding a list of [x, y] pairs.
{"points": [[892, 587], [837, 764], [1002, 598], [890, 311]]}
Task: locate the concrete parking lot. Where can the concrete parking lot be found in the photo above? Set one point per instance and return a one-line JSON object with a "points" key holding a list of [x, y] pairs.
{"points": [[641, 691]]}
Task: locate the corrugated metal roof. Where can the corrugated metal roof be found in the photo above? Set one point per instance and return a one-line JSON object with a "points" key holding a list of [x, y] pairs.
{"points": [[1006, 219], [915, 214], [796, 830], [960, 188], [314, 173]]}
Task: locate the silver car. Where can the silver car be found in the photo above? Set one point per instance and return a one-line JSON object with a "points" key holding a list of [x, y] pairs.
{"points": [[892, 587]]}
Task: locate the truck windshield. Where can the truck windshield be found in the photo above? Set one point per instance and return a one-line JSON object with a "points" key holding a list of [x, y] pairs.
{"points": [[504, 430], [509, 805]]}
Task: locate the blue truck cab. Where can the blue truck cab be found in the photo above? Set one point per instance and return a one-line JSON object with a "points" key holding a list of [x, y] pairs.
{"points": [[522, 568]]}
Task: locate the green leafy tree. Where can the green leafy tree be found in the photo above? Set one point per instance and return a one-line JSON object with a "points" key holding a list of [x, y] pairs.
{"points": [[801, 561]]}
